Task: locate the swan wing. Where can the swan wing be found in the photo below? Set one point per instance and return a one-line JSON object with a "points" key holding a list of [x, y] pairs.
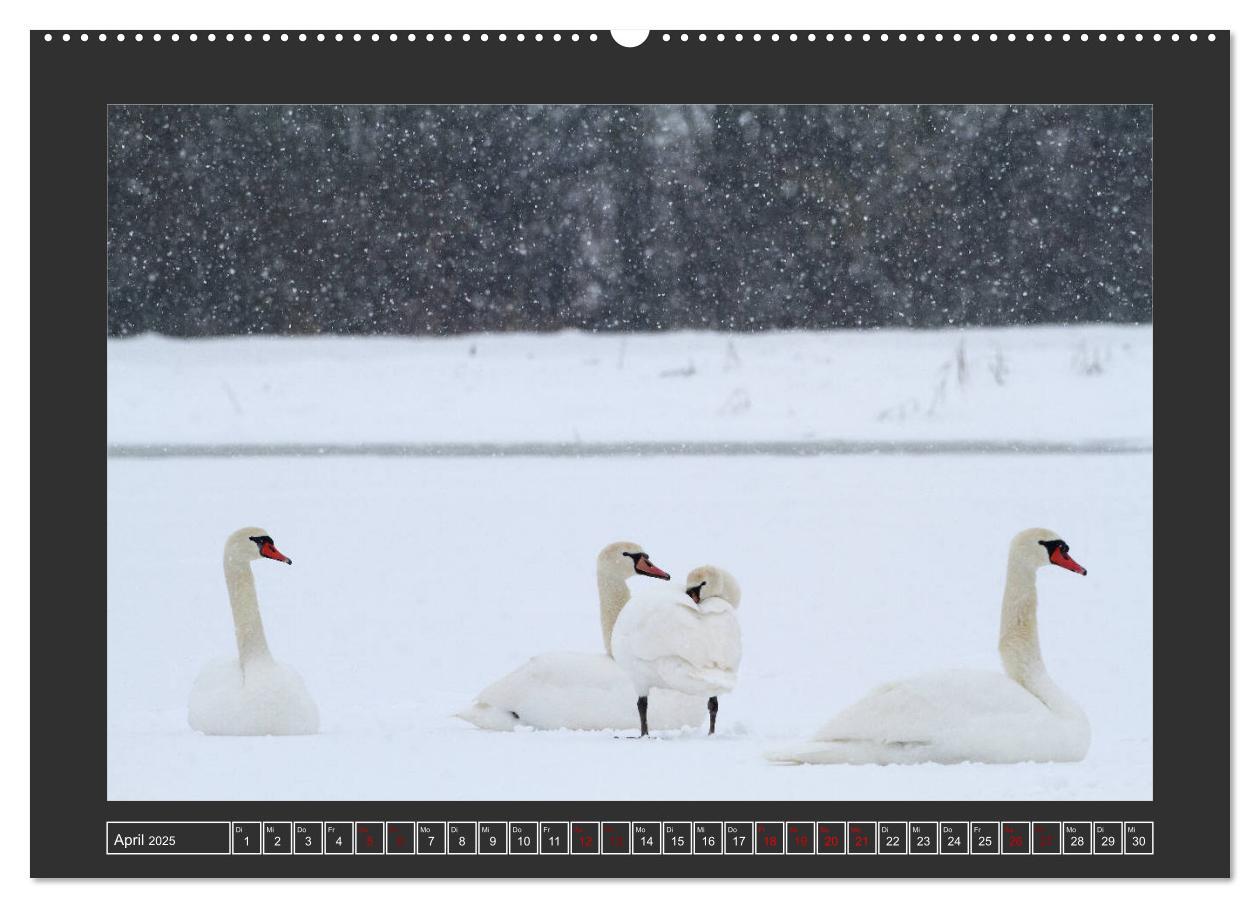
{"points": [[263, 698], [923, 708], [946, 717], [580, 691], [668, 643]]}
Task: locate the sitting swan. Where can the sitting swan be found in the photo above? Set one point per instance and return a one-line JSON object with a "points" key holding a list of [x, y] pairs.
{"points": [[581, 691], [252, 694], [690, 644], [957, 716]]}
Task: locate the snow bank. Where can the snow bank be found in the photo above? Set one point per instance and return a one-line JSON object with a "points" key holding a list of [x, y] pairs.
{"points": [[1023, 384]]}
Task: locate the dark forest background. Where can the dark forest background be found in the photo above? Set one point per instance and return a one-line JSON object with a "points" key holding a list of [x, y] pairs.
{"points": [[438, 220]]}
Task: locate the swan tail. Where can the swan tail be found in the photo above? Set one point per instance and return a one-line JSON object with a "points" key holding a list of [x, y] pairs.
{"points": [[718, 679], [489, 717], [813, 752], [681, 675], [856, 750]]}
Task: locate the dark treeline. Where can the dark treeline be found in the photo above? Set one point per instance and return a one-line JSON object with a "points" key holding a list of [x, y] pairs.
{"points": [[435, 220]]}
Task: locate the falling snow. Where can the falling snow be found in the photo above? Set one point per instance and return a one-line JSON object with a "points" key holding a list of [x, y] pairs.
{"points": [[442, 220]]}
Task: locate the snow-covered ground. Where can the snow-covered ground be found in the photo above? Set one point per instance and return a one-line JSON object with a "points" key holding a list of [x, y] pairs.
{"points": [[1035, 384], [416, 581]]}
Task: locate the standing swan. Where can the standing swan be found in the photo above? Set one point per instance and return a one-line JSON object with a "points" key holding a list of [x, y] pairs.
{"points": [[957, 716], [690, 644], [582, 691], [252, 694]]}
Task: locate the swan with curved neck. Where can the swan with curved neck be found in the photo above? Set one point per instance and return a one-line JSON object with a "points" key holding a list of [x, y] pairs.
{"points": [[1018, 642], [251, 694], [251, 641], [958, 716], [584, 691]]}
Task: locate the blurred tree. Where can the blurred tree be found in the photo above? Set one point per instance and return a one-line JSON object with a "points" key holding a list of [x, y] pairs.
{"points": [[440, 220]]}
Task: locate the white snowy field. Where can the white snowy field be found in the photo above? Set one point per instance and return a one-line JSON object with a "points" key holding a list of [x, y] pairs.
{"points": [[1082, 383], [416, 581]]}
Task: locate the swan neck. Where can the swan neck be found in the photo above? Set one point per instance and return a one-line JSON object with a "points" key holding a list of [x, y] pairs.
{"points": [[1018, 642], [1020, 646], [251, 642], [613, 596]]}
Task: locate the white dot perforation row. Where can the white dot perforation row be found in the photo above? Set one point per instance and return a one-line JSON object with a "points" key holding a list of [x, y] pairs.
{"points": [[394, 37], [704, 37]]}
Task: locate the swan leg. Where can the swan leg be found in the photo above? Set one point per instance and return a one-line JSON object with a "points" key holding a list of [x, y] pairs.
{"points": [[713, 708], [643, 729]]}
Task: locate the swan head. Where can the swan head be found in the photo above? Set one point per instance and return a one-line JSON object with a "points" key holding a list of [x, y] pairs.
{"points": [[252, 543], [623, 560], [709, 582], [1040, 547]]}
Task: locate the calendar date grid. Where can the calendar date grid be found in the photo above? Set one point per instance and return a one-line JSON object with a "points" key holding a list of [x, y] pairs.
{"points": [[787, 837]]}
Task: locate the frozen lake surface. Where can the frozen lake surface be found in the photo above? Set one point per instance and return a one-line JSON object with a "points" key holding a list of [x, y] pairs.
{"points": [[416, 581]]}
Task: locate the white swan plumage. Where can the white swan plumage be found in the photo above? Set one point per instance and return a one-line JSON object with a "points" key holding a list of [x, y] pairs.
{"points": [[961, 715], [581, 691], [251, 694], [689, 644]]}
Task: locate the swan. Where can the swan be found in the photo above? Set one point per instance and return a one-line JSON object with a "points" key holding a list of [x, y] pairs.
{"points": [[581, 691], [690, 644], [252, 694], [957, 716]]}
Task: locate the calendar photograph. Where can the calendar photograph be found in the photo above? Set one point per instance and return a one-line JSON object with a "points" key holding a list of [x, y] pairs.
{"points": [[629, 452]]}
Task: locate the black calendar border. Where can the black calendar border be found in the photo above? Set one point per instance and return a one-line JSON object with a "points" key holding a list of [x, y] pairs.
{"points": [[1188, 83]]}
